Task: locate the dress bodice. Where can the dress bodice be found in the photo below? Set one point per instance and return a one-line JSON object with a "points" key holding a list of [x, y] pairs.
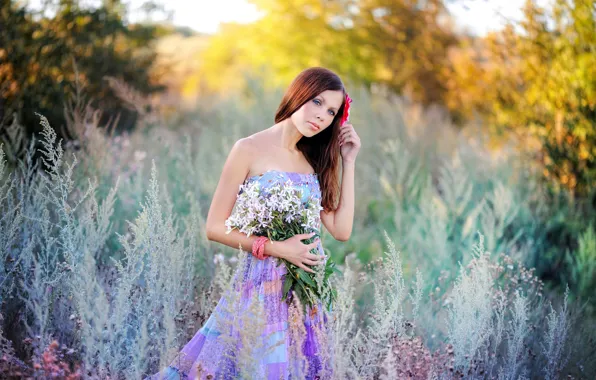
{"points": [[307, 182]]}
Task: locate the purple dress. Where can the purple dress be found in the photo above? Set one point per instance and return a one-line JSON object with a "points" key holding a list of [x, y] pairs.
{"points": [[208, 356]]}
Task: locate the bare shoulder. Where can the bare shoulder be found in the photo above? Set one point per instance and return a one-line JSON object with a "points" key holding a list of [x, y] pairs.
{"points": [[258, 146], [239, 161], [248, 152], [258, 140], [252, 147], [244, 147]]}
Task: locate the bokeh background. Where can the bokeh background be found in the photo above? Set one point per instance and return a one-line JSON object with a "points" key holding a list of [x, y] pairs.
{"points": [[478, 126]]}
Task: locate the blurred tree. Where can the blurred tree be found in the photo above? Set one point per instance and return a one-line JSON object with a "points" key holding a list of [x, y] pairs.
{"points": [[411, 40], [40, 57], [538, 79], [291, 36], [399, 43]]}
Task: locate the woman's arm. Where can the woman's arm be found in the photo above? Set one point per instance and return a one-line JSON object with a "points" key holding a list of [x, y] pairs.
{"points": [[339, 222], [233, 174]]}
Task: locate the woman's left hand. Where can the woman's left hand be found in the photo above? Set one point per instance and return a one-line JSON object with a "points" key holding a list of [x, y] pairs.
{"points": [[349, 143]]}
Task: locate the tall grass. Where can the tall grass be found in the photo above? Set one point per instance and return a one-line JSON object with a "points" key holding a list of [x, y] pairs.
{"points": [[103, 249]]}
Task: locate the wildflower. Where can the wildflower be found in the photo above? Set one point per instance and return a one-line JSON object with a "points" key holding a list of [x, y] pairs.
{"points": [[139, 155], [218, 258], [280, 213]]}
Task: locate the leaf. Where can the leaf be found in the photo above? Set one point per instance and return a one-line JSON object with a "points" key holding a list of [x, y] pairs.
{"points": [[298, 292], [288, 282], [306, 278], [332, 298]]}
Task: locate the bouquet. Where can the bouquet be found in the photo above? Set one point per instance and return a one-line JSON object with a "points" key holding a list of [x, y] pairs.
{"points": [[279, 213]]}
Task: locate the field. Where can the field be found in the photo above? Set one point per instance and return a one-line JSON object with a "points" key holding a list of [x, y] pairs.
{"points": [[473, 250], [108, 267]]}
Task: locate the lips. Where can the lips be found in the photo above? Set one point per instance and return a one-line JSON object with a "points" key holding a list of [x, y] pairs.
{"points": [[314, 125]]}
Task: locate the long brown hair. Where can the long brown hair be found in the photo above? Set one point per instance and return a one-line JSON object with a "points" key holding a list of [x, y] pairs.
{"points": [[321, 150]]}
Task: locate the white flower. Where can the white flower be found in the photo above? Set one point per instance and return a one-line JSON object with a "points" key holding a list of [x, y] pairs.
{"points": [[218, 258], [256, 211], [139, 155]]}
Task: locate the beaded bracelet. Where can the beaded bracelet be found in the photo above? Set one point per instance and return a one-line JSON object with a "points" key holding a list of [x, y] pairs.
{"points": [[258, 248]]}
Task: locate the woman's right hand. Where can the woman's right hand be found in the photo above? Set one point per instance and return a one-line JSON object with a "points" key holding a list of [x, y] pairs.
{"points": [[298, 253]]}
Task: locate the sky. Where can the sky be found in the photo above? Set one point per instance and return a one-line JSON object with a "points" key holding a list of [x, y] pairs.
{"points": [[479, 16], [205, 15]]}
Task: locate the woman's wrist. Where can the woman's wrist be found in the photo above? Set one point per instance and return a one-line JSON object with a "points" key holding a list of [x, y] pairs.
{"points": [[348, 164], [271, 249]]}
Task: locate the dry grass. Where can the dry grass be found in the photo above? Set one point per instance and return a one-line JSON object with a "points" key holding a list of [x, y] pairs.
{"points": [[107, 254]]}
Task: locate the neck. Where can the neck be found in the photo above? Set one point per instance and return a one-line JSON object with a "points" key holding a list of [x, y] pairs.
{"points": [[288, 135]]}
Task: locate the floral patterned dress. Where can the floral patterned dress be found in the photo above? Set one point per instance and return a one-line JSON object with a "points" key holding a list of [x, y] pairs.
{"points": [[210, 353]]}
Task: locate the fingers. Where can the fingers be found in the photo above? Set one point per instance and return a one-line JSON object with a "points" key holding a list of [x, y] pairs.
{"points": [[349, 137], [344, 133], [316, 258], [307, 269], [344, 141], [347, 129], [311, 262], [305, 236], [313, 245]]}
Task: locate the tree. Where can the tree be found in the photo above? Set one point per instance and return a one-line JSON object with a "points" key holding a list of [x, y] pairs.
{"points": [[41, 58], [399, 43], [537, 78]]}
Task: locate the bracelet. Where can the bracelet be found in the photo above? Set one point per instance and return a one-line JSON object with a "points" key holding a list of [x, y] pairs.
{"points": [[258, 248]]}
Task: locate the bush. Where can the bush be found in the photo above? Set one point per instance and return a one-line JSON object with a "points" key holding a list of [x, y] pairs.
{"points": [[107, 255]]}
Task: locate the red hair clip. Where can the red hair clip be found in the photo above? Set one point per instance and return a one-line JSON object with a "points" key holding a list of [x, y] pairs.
{"points": [[346, 115]]}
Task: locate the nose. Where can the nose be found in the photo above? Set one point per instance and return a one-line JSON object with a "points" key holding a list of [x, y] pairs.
{"points": [[319, 117]]}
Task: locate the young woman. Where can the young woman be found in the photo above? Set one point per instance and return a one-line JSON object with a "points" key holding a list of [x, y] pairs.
{"points": [[306, 145]]}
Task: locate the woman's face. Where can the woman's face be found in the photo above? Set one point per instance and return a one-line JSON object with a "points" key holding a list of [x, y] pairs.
{"points": [[318, 113]]}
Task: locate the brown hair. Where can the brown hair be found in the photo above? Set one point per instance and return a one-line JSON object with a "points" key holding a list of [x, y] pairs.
{"points": [[321, 150]]}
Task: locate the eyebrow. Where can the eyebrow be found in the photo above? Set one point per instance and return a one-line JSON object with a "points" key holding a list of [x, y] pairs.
{"points": [[324, 101]]}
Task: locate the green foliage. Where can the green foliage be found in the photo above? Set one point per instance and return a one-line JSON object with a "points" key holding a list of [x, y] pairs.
{"points": [[537, 78], [40, 57], [431, 196], [56, 233], [400, 44], [582, 264]]}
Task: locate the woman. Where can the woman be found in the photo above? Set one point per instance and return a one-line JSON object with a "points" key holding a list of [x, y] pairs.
{"points": [[305, 146]]}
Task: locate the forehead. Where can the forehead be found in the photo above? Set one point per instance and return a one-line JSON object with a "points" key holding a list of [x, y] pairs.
{"points": [[332, 98]]}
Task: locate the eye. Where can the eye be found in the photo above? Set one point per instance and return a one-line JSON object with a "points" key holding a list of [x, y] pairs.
{"points": [[318, 102]]}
